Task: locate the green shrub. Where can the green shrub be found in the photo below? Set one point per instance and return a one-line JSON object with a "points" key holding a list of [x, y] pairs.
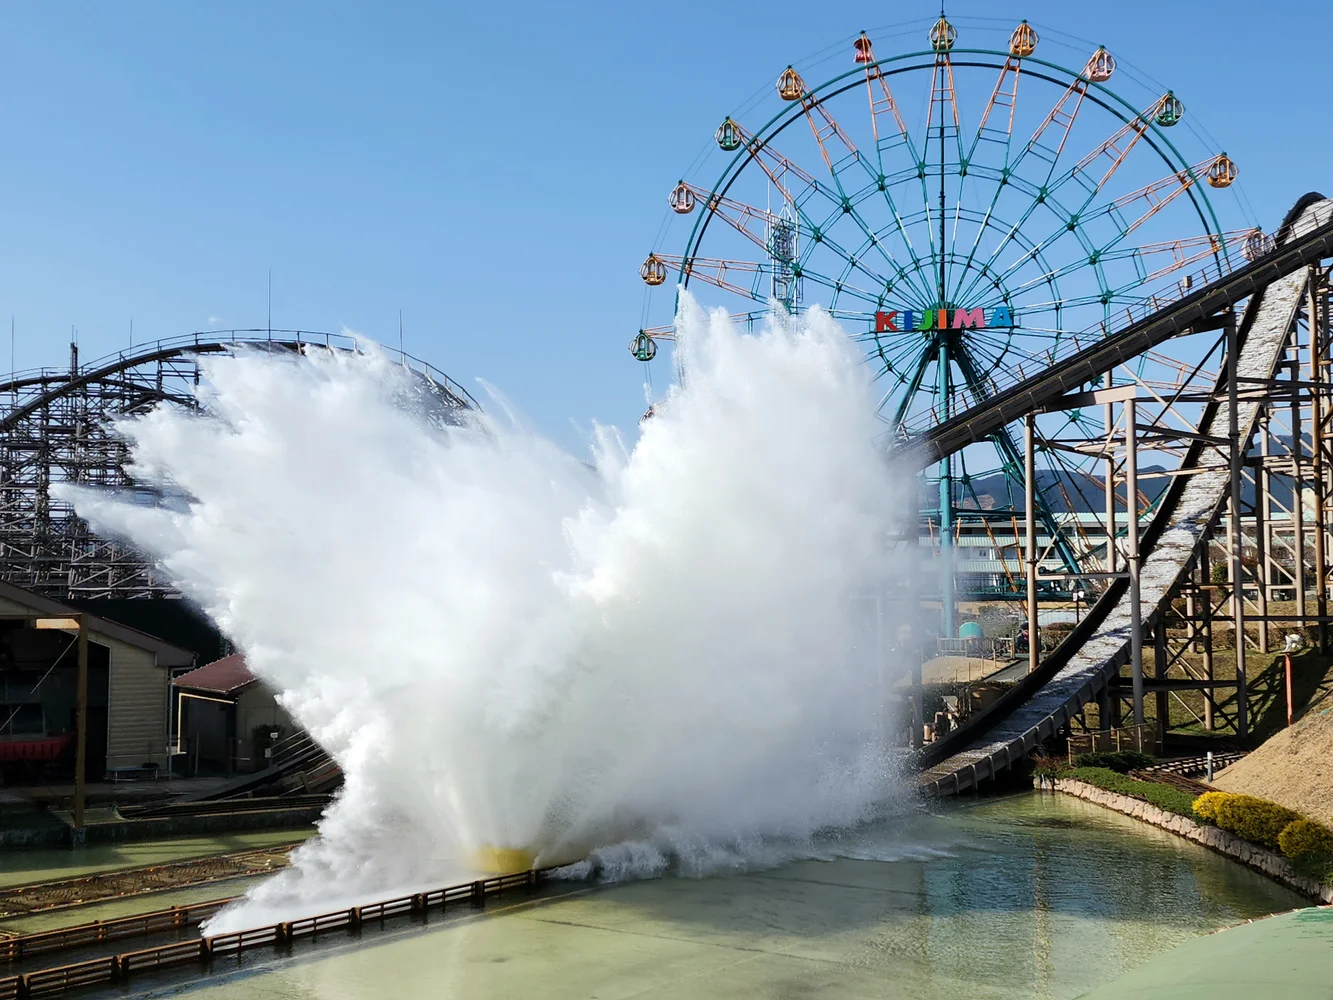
{"points": [[1255, 820], [1304, 837], [1205, 806], [1048, 767], [1316, 866], [1162, 796], [1122, 761]]}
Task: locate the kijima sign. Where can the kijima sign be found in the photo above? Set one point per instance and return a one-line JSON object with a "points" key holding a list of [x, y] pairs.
{"points": [[944, 319]]}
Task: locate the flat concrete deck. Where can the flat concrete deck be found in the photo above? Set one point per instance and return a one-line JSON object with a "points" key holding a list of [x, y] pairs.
{"points": [[1288, 956]]}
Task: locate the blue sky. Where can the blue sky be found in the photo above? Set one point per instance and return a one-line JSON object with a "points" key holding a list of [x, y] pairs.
{"points": [[497, 172]]}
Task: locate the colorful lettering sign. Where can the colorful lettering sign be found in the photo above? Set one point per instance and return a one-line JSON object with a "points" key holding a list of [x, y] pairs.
{"points": [[899, 320]]}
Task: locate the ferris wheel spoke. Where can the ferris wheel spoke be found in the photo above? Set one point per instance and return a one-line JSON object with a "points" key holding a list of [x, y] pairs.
{"points": [[1166, 257], [925, 359], [899, 361], [943, 94], [840, 288], [752, 223], [1048, 141], [1003, 105], [1147, 201], [1011, 458], [886, 121], [1108, 156], [1141, 205], [1012, 236], [872, 241], [716, 272], [835, 145], [795, 184]]}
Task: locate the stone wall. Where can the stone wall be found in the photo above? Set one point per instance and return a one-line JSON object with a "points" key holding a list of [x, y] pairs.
{"points": [[1253, 856]]}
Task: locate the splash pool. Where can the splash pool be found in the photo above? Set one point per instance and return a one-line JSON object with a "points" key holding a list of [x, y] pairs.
{"points": [[1023, 896]]}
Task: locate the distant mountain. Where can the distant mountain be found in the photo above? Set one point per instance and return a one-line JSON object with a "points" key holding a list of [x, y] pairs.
{"points": [[1062, 491]]}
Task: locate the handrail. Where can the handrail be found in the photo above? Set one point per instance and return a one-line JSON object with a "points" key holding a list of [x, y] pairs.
{"points": [[1016, 392], [23, 946]]}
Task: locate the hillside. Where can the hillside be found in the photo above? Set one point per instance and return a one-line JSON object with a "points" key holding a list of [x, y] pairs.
{"points": [[1293, 768]]}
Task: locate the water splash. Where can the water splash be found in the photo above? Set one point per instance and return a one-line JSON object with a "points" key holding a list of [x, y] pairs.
{"points": [[675, 649]]}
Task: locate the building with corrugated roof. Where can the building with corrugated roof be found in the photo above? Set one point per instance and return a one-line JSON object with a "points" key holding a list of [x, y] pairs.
{"points": [[129, 684], [227, 717]]}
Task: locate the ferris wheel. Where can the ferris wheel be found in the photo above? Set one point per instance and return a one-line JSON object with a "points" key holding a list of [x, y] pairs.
{"points": [[968, 215]]}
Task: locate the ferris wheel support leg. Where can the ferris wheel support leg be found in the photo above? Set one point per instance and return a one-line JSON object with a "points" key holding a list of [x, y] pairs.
{"points": [[1030, 540], [1234, 540], [947, 596]]}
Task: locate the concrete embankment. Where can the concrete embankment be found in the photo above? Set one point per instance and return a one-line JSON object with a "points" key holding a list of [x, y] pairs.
{"points": [[1253, 856]]}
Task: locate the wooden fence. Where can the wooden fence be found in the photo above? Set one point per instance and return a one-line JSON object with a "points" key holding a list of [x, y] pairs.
{"points": [[1142, 738], [201, 951], [82, 935]]}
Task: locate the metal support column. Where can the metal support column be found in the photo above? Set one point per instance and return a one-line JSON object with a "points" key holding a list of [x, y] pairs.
{"points": [[1206, 626], [1297, 491], [1162, 697], [1233, 524], [81, 729], [1317, 461], [1261, 575], [1132, 555], [1109, 482]]}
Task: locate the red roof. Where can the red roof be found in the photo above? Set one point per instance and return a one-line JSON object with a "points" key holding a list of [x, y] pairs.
{"points": [[228, 675]]}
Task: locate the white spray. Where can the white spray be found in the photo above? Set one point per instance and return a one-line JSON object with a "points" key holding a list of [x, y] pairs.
{"points": [[670, 654]]}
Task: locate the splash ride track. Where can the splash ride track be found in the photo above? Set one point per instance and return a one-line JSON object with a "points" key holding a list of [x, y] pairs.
{"points": [[1176, 531]]}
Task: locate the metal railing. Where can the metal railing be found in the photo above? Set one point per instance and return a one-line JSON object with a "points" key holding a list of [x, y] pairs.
{"points": [[220, 339], [23, 946], [203, 951], [1142, 738], [965, 398]]}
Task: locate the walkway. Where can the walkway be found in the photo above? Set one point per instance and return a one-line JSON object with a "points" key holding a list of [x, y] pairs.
{"points": [[1288, 956]]}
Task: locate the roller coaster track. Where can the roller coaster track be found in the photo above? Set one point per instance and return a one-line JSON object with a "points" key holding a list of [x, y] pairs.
{"points": [[1082, 666], [57, 424]]}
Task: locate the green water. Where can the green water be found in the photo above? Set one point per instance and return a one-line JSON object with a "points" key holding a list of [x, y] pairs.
{"points": [[18, 867], [1026, 896]]}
